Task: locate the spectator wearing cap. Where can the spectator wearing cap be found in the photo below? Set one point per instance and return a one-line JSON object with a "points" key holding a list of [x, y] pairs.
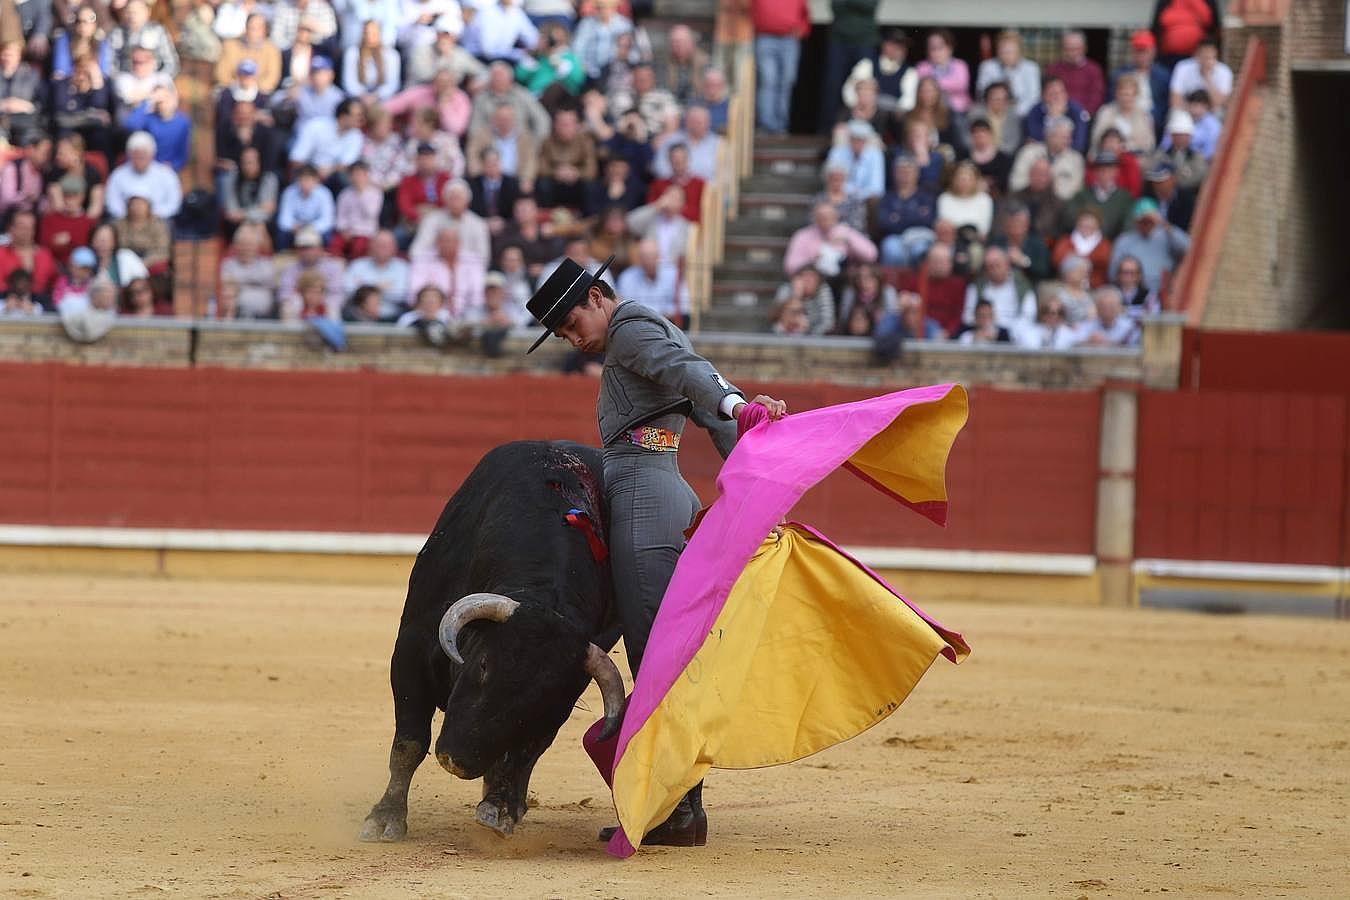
{"points": [[951, 74], [1066, 164], [680, 68], [1009, 66], [321, 97], [331, 145], [309, 257], [354, 14], [243, 89], [993, 163], [84, 36], [135, 85], [905, 217], [966, 202], [1082, 77], [248, 192], [597, 35], [1027, 251], [137, 30], [72, 290], [663, 222], [1056, 104], [1187, 163], [516, 147], [500, 90], [159, 116], [1131, 176], [567, 161], [500, 29], [1112, 202], [380, 268], [780, 26], [474, 237], [1086, 241], [290, 17], [141, 176], [420, 192], [862, 160], [1177, 206], [1156, 243], [418, 26], [370, 70], [996, 108], [144, 234], [445, 54], [1153, 80], [851, 208], [22, 92], [1125, 115], [253, 46], [65, 225], [827, 244], [702, 142], [677, 154], [494, 192], [894, 78], [83, 103], [456, 272], [23, 252], [452, 106], [21, 178], [305, 204], [358, 214], [1203, 71], [1205, 137], [653, 282]]}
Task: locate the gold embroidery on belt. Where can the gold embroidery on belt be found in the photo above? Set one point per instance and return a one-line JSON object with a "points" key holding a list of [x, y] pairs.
{"points": [[657, 439]]}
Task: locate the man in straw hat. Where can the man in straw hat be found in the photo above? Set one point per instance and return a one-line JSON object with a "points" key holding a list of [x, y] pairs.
{"points": [[652, 383]]}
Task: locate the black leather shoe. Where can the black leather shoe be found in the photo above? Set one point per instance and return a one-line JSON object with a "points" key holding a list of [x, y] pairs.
{"points": [[687, 826]]}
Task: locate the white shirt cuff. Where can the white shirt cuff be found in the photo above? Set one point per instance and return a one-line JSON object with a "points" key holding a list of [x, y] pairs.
{"points": [[729, 403]]}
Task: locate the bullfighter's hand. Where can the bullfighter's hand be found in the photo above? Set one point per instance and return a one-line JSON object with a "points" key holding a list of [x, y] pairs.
{"points": [[777, 408]]}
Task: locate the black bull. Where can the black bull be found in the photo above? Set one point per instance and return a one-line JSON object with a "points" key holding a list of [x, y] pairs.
{"points": [[503, 556]]}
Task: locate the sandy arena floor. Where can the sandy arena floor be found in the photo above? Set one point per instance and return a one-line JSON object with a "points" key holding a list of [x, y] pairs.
{"points": [[226, 740]]}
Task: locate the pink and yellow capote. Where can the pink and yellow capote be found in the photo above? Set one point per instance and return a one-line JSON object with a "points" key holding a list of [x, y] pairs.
{"points": [[769, 647]]}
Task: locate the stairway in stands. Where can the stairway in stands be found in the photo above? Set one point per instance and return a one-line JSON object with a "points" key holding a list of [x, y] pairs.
{"points": [[774, 202]]}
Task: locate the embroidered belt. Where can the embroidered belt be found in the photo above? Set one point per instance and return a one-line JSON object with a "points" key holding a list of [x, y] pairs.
{"points": [[658, 439]]}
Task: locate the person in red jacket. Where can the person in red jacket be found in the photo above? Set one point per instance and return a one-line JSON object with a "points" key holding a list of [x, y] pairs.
{"points": [[65, 226], [23, 253], [1082, 77], [1180, 25], [680, 176], [419, 192], [780, 26]]}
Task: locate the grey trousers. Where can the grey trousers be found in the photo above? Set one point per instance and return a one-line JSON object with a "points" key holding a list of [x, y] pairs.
{"points": [[650, 506]]}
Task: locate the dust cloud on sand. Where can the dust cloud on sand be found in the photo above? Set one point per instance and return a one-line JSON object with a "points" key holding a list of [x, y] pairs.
{"points": [[225, 739]]}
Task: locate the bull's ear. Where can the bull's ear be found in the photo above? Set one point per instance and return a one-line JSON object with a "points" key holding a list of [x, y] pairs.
{"points": [[486, 607]]}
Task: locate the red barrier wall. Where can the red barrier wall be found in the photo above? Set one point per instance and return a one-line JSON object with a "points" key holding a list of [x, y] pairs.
{"points": [[377, 452], [1243, 476], [1303, 362]]}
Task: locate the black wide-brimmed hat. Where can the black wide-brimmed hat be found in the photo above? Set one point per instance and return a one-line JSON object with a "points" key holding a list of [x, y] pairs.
{"points": [[564, 289]]}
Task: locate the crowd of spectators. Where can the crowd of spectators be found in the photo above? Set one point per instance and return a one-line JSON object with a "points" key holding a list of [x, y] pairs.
{"points": [[995, 200]]}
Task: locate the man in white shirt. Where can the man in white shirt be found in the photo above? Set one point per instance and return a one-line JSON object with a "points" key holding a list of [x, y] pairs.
{"points": [[1111, 328], [1008, 292], [474, 238], [1202, 72], [702, 142], [332, 144], [382, 269], [664, 224], [141, 176], [653, 283], [500, 30]]}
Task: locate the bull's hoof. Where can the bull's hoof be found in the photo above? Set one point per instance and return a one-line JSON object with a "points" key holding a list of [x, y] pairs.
{"points": [[493, 814], [384, 827]]}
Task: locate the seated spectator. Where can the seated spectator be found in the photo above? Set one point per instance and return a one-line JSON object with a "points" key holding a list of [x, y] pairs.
{"points": [[944, 124], [297, 56], [257, 49], [1073, 291], [21, 185], [1152, 78], [866, 295], [905, 217], [654, 283], [539, 243], [248, 194], [942, 289], [135, 85], [500, 30], [65, 224], [789, 318], [1010, 293], [1135, 296], [596, 37], [997, 109], [1066, 163], [865, 110], [966, 202], [918, 146], [609, 236], [138, 299], [566, 162], [22, 252], [381, 269], [993, 164], [807, 288], [451, 104], [244, 89], [89, 316], [984, 330], [1205, 137], [1112, 203], [1126, 116], [22, 90], [75, 286], [494, 192], [519, 284], [851, 208], [893, 77], [387, 157], [678, 70], [713, 96], [702, 143], [1157, 244], [159, 116], [367, 307], [251, 274], [321, 97], [474, 238], [370, 70], [117, 264], [618, 187], [83, 104], [1176, 150], [419, 193], [309, 257], [1111, 327], [19, 299], [1204, 71], [84, 38], [1083, 78], [144, 234], [515, 146], [1049, 331], [1027, 252], [1055, 104], [358, 214], [309, 301], [664, 223], [952, 74], [827, 245], [331, 145], [245, 132], [456, 273], [677, 154], [418, 25], [1088, 242], [430, 306], [305, 204], [1129, 175], [1041, 200], [501, 89], [499, 315], [232, 17], [911, 322], [1009, 67], [137, 30], [553, 73], [628, 139], [862, 161], [654, 104], [1175, 205], [425, 129], [446, 55], [141, 176]]}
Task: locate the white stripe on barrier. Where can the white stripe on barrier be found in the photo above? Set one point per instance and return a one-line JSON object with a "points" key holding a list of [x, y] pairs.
{"points": [[1235, 571]]}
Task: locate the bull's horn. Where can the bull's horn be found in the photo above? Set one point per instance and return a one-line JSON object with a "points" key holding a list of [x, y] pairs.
{"points": [[600, 667], [473, 607]]}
